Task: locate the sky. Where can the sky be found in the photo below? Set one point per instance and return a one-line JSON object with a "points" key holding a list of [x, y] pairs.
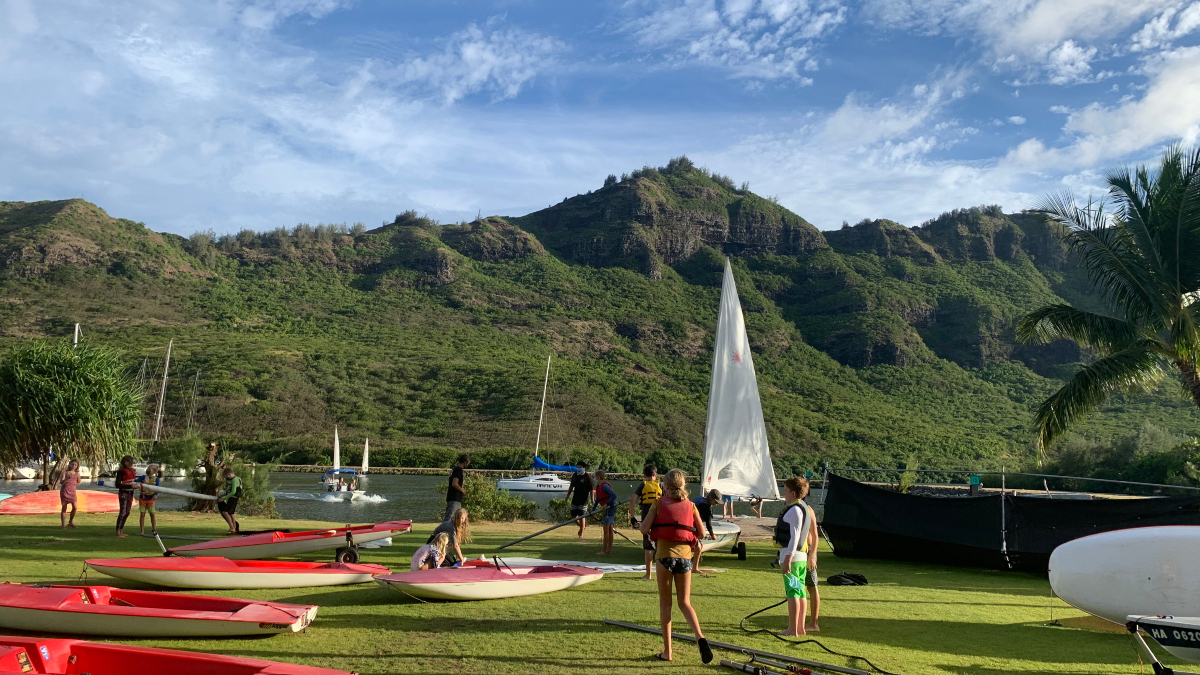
{"points": [[230, 114]]}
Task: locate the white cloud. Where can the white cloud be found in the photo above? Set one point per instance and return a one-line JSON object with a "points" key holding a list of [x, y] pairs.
{"points": [[767, 39], [483, 59], [1016, 119], [1060, 109], [1070, 63], [1172, 24], [265, 14]]}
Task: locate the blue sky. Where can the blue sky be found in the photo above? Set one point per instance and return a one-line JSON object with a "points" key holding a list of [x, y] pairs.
{"points": [[194, 114]]}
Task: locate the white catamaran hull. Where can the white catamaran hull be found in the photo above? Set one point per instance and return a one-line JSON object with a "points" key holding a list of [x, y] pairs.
{"points": [[545, 482], [82, 623]]}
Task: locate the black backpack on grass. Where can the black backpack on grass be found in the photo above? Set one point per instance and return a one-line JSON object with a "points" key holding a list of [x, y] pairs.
{"points": [[847, 579]]}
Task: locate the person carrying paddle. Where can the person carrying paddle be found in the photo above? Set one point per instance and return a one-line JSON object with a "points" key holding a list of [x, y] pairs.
{"points": [[126, 476], [66, 493], [582, 485], [227, 499], [146, 500], [793, 534], [643, 498], [674, 523], [606, 497]]}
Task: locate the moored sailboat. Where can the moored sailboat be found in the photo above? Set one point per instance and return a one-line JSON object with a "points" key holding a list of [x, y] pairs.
{"points": [[539, 482]]}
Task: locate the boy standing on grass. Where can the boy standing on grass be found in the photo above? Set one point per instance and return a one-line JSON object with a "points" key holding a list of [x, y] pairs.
{"points": [[643, 498], [146, 500], [582, 486], [227, 499], [792, 536]]}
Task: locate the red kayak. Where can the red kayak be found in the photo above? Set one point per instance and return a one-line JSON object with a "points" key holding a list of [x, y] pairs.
{"points": [[276, 544], [104, 610], [24, 655], [47, 501], [243, 574]]}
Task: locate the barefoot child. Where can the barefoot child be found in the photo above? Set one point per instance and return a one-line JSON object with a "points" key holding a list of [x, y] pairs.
{"points": [[227, 499], [66, 493], [126, 477], [643, 498], [431, 555], [792, 531], [606, 497], [675, 525], [146, 500]]}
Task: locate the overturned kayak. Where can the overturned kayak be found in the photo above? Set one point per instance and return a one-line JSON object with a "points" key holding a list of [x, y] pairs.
{"points": [[60, 657], [242, 574], [104, 610], [486, 582], [47, 502], [276, 544]]}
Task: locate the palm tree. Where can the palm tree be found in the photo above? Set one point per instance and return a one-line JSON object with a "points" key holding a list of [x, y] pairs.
{"points": [[77, 400], [1143, 258]]}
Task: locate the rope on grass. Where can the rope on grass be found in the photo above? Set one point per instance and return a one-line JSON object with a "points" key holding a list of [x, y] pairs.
{"points": [[742, 625]]}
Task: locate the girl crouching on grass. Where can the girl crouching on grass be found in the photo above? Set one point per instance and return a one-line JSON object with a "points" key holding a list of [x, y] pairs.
{"points": [[674, 524], [431, 555]]}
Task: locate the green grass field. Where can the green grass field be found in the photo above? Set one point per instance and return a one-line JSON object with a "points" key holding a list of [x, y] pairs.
{"points": [[911, 619]]}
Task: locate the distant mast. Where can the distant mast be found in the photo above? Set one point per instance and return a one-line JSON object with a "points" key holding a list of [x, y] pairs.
{"points": [[366, 453], [337, 450], [737, 460], [537, 444]]}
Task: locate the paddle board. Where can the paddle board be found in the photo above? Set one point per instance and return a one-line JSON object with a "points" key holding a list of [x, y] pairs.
{"points": [[1145, 571]]}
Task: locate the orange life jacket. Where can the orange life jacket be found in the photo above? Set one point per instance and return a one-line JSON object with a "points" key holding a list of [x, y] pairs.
{"points": [[675, 521]]}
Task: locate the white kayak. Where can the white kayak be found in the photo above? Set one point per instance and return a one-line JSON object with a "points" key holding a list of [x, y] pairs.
{"points": [[478, 580], [215, 573], [1144, 571]]}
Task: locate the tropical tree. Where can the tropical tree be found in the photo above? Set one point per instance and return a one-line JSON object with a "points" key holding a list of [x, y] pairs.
{"points": [[1143, 258], [74, 401]]}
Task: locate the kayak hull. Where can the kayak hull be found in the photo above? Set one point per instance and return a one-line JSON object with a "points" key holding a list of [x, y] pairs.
{"points": [[62, 656], [47, 502], [279, 544], [222, 573], [104, 610], [488, 583]]}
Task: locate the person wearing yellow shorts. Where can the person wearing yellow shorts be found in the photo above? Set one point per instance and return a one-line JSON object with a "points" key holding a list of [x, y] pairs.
{"points": [[791, 535]]}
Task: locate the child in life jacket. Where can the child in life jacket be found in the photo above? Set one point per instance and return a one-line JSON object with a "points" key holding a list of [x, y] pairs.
{"points": [[674, 523], [146, 499], [796, 538], [606, 497], [643, 498]]}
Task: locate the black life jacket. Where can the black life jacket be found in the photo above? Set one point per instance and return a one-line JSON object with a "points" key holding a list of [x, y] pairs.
{"points": [[783, 531]]}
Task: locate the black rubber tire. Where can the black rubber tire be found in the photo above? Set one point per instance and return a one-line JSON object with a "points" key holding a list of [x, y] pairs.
{"points": [[741, 550], [346, 554]]}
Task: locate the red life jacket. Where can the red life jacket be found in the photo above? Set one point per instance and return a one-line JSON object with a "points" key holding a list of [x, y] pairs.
{"points": [[602, 497], [676, 521]]}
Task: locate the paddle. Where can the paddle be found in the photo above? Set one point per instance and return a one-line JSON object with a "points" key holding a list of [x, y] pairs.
{"points": [[553, 527], [163, 490]]}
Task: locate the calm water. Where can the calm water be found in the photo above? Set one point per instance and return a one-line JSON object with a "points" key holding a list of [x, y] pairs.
{"points": [[299, 496]]}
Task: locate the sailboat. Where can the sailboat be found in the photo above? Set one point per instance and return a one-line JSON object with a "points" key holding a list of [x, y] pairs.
{"points": [[539, 482], [737, 460], [330, 479]]}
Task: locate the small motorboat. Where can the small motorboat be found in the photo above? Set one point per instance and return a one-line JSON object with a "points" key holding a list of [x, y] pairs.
{"points": [[1179, 635], [24, 655], [47, 502], [104, 610], [276, 544], [239, 574], [482, 580]]}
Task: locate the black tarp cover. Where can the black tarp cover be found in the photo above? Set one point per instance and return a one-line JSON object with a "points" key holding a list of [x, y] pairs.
{"points": [[867, 521]]}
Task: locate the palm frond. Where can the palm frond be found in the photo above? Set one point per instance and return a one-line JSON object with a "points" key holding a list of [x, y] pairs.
{"points": [[1137, 366], [1096, 331]]}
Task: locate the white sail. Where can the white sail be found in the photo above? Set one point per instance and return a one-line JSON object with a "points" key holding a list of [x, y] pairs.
{"points": [[366, 453], [737, 460], [337, 450]]}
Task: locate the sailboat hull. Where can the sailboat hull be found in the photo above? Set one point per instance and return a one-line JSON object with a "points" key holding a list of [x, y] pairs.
{"points": [[726, 533], [545, 482]]}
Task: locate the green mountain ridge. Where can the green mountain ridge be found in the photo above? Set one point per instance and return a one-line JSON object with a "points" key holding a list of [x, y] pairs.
{"points": [[872, 343]]}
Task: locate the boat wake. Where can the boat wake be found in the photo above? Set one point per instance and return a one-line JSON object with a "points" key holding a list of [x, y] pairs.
{"points": [[308, 496], [333, 497]]}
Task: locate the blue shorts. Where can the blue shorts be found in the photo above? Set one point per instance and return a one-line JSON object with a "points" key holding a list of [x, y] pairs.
{"points": [[726, 499], [610, 515]]}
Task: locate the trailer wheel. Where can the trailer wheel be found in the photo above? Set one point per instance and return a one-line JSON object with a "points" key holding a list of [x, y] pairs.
{"points": [[741, 550], [346, 554]]}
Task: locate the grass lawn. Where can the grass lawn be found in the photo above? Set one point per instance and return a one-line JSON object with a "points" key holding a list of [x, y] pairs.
{"points": [[911, 618]]}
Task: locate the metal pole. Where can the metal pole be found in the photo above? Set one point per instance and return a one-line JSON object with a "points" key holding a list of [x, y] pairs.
{"points": [[162, 392], [541, 413], [192, 409], [76, 336], [1003, 520], [552, 527], [744, 650]]}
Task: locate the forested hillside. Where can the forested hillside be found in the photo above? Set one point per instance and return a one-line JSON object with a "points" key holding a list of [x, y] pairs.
{"points": [[874, 343]]}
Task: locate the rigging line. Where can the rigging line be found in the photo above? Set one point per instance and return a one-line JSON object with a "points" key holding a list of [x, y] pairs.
{"points": [[742, 625]]}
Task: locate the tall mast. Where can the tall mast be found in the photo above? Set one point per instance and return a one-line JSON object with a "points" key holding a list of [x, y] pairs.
{"points": [[162, 392], [545, 383]]}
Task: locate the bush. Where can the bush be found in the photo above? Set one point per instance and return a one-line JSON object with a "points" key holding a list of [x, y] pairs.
{"points": [[483, 501], [257, 498], [188, 453], [611, 180]]}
